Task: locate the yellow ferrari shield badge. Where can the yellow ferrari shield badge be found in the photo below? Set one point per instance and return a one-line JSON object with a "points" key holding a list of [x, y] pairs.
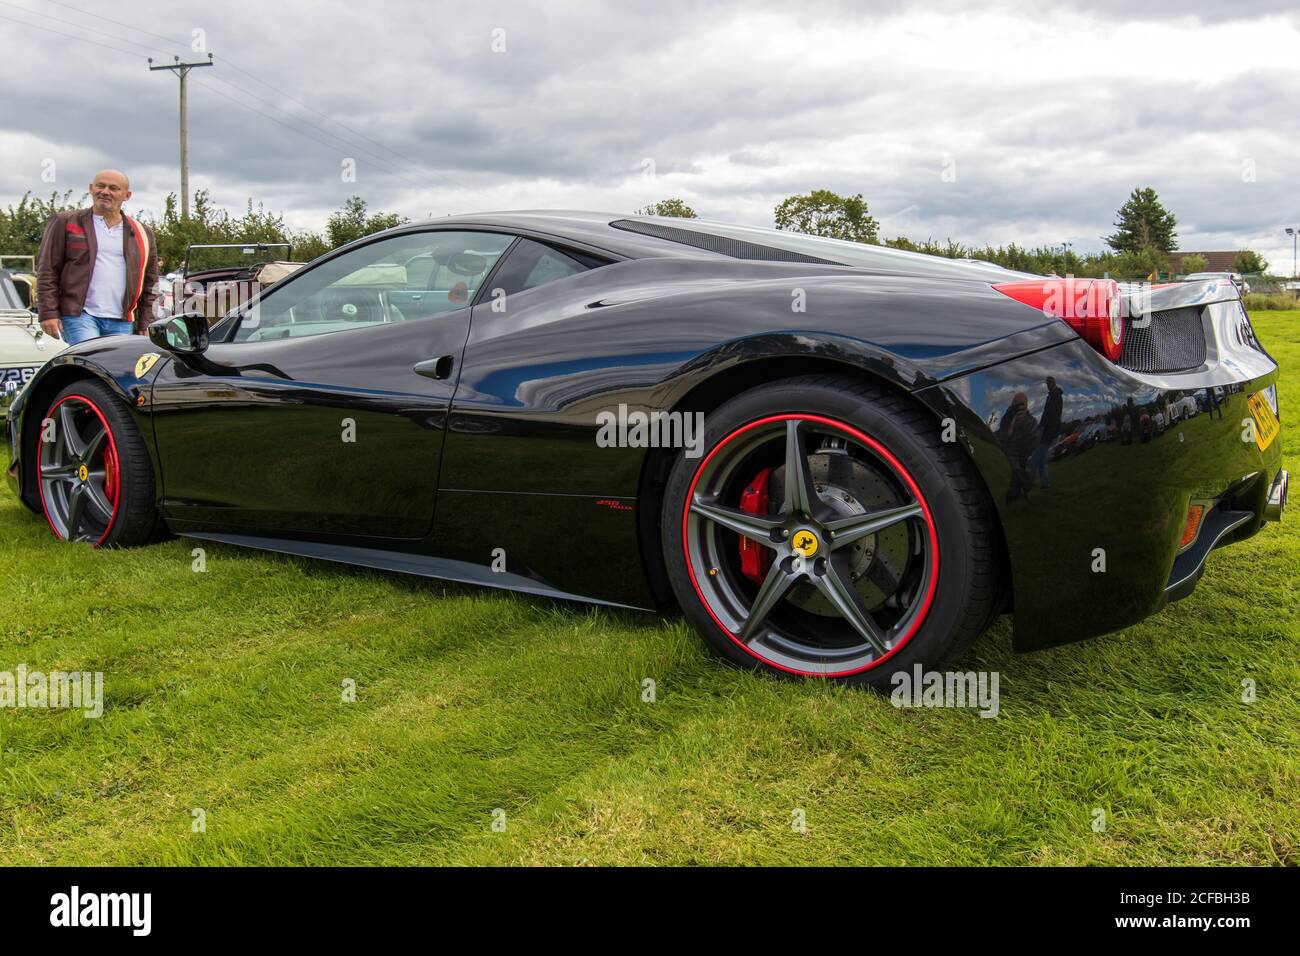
{"points": [[805, 542], [144, 363]]}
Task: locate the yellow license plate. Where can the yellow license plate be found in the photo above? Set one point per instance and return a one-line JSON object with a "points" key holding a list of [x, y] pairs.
{"points": [[1266, 423]]}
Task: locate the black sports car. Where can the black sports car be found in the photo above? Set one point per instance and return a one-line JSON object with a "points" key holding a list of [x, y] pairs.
{"points": [[835, 458]]}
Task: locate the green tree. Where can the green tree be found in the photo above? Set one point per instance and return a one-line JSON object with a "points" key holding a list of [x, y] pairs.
{"points": [[209, 224], [902, 242], [1192, 263], [1045, 260], [668, 207], [22, 226], [824, 213], [351, 222], [1249, 262], [307, 245], [1144, 224]]}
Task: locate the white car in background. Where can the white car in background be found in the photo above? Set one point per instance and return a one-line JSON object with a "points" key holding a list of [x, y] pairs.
{"points": [[1236, 277], [1183, 409], [24, 347]]}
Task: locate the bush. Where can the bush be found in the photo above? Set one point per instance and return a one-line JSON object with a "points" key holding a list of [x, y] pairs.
{"points": [[1257, 301]]}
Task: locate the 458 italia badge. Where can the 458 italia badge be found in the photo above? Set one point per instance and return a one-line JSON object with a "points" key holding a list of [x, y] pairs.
{"points": [[144, 363]]}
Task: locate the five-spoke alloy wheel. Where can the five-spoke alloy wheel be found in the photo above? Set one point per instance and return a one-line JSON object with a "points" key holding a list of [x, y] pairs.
{"points": [[79, 477], [804, 542], [93, 473]]}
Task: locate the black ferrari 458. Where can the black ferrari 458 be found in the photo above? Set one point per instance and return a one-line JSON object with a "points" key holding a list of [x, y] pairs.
{"points": [[837, 459]]}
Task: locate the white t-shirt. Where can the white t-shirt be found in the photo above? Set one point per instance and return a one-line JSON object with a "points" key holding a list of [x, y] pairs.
{"points": [[108, 280]]}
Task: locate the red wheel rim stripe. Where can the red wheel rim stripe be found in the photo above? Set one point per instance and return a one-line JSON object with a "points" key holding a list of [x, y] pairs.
{"points": [[117, 475], [902, 472]]}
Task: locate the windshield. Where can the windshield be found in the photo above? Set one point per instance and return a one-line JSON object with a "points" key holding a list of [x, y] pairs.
{"points": [[9, 297], [203, 258]]}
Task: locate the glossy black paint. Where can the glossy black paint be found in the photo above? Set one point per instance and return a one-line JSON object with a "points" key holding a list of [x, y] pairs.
{"points": [[260, 440], [1122, 502], [500, 452], [111, 360]]}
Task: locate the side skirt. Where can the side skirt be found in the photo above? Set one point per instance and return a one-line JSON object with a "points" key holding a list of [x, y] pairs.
{"points": [[444, 569]]}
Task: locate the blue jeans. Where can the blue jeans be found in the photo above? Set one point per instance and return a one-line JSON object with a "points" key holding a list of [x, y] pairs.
{"points": [[78, 328], [1038, 463]]}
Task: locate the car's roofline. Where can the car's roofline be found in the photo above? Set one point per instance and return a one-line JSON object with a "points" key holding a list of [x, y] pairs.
{"points": [[594, 231], [582, 228]]}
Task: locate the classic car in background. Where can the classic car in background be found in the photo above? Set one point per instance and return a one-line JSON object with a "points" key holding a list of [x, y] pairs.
{"points": [[23, 346], [22, 271], [219, 277]]}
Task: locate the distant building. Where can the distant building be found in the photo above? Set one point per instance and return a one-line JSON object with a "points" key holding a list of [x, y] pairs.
{"points": [[1214, 261]]}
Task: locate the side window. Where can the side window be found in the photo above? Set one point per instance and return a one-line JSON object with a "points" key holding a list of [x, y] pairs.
{"points": [[531, 264], [551, 266], [408, 277]]}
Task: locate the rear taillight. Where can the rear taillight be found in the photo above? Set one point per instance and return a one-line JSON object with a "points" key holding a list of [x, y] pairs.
{"points": [[1092, 307]]}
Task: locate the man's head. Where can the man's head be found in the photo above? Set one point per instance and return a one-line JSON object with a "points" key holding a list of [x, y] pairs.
{"points": [[108, 190], [1051, 383]]}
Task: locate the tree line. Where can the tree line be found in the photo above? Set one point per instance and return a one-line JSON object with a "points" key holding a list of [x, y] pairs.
{"points": [[1145, 235], [1145, 232], [22, 225]]}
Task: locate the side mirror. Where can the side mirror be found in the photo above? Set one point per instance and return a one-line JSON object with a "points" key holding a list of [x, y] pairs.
{"points": [[183, 334]]}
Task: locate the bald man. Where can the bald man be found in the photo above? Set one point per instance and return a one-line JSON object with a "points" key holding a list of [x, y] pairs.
{"points": [[97, 270]]}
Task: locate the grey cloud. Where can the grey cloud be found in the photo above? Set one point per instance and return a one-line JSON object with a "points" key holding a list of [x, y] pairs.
{"points": [[585, 92]]}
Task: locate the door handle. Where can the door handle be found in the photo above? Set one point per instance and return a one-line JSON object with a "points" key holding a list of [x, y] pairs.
{"points": [[437, 368]]}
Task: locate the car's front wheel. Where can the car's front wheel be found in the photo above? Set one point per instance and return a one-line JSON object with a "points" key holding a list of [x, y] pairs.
{"points": [[828, 530], [94, 475]]}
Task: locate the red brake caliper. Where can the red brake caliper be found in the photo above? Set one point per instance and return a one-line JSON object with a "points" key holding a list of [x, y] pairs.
{"points": [[110, 474], [754, 558]]}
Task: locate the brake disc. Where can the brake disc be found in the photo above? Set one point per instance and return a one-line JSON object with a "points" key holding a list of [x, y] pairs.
{"points": [[850, 487]]}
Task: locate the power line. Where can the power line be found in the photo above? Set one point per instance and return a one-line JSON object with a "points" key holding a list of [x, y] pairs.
{"points": [[157, 36], [73, 23], [336, 143], [332, 145], [294, 129], [36, 26], [351, 147], [231, 63], [347, 146]]}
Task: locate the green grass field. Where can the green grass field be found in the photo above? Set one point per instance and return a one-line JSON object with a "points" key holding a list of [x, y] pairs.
{"points": [[224, 693]]}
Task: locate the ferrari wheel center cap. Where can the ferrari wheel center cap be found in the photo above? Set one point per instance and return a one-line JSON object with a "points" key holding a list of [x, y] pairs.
{"points": [[804, 542], [83, 472]]}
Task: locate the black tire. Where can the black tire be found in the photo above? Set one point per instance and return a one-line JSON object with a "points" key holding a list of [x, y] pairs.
{"points": [[116, 474], [933, 478]]}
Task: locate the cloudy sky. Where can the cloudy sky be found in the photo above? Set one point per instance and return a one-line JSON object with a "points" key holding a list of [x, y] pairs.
{"points": [[981, 121]]}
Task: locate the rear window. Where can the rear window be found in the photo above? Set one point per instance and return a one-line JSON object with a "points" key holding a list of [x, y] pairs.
{"points": [[531, 264], [776, 245]]}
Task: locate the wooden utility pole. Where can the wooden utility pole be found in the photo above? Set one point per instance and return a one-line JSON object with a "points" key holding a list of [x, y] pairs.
{"points": [[180, 69]]}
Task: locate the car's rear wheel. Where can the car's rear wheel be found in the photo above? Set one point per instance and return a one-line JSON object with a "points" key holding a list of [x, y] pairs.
{"points": [[94, 475], [828, 530]]}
